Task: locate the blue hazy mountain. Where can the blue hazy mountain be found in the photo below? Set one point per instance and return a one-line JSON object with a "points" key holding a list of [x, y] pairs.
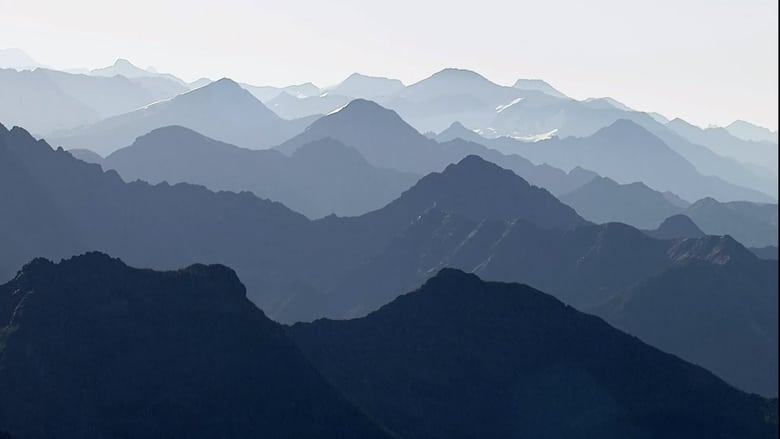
{"points": [[366, 87], [677, 226], [221, 110], [748, 131], [720, 140], [538, 85], [387, 141], [627, 152], [13, 58], [320, 178], [460, 357], [104, 350], [603, 200], [48, 100], [265, 93]]}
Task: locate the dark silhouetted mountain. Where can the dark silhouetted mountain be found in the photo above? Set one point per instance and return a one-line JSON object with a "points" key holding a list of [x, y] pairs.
{"points": [[722, 142], [748, 131], [603, 200], [768, 252], [538, 85], [386, 141], [93, 348], [752, 224], [221, 110], [86, 155], [477, 189], [367, 87], [266, 93], [677, 227], [461, 357], [288, 106], [13, 58], [720, 315], [320, 178]]}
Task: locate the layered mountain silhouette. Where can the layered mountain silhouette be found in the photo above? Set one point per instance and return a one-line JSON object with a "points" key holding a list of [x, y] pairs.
{"points": [[474, 216], [752, 224], [748, 131], [460, 357], [604, 200], [627, 152], [58, 206], [93, 348], [721, 141], [291, 107], [221, 110], [367, 87], [538, 85], [726, 309], [321, 178], [265, 93], [127, 69], [385, 140]]}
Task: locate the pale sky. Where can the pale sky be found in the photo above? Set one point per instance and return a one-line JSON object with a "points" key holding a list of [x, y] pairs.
{"points": [[709, 62]]}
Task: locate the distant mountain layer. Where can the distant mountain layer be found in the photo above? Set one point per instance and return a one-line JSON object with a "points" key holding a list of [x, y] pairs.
{"points": [[385, 140], [748, 131], [722, 141], [93, 348], [460, 357], [221, 110], [603, 200], [320, 178], [48, 100]]}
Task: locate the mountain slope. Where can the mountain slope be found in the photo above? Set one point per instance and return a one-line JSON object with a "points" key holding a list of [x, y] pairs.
{"points": [[461, 357], [221, 110], [729, 321], [94, 348]]}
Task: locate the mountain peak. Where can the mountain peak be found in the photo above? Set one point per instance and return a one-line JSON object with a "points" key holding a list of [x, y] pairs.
{"points": [[478, 189], [677, 227], [456, 73], [538, 85], [122, 62]]}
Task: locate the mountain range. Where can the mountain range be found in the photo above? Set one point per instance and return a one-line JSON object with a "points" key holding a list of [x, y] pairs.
{"points": [[546, 370], [93, 348], [221, 110], [321, 178]]}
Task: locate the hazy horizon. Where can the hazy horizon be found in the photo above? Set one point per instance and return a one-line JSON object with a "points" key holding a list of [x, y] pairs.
{"points": [[706, 62]]}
